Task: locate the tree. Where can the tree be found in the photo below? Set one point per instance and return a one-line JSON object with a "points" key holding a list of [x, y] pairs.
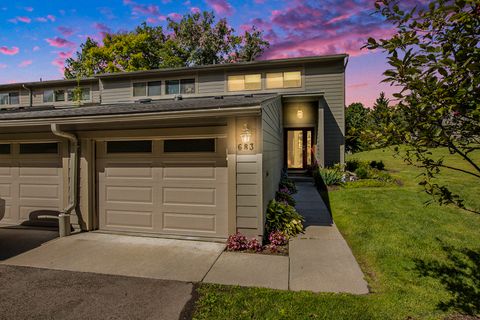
{"points": [[197, 39], [356, 118], [379, 116], [434, 61]]}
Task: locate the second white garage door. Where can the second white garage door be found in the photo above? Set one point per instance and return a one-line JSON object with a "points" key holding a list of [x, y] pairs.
{"points": [[176, 187]]}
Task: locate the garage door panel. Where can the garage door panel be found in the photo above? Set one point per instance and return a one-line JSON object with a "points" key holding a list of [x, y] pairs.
{"points": [[126, 219], [39, 170], [129, 194], [39, 191], [122, 170], [5, 190], [189, 196], [189, 222], [6, 171]]}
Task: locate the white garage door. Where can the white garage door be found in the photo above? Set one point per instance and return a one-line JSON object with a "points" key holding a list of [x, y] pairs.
{"points": [[176, 187], [30, 179]]}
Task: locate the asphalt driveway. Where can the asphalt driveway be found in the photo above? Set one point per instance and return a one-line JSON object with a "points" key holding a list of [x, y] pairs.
{"points": [[18, 239], [32, 293]]}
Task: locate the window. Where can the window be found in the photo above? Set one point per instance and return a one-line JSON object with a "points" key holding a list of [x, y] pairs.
{"points": [[245, 82], [138, 146], [47, 96], [59, 95], [84, 95], [184, 86], [142, 89], [189, 145], [9, 98], [38, 148], [4, 148], [290, 79], [154, 88]]}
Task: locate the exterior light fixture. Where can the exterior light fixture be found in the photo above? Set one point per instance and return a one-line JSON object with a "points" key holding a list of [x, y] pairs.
{"points": [[246, 134], [300, 113]]}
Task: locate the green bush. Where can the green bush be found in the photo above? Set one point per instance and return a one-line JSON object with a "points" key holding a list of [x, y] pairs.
{"points": [[285, 197], [288, 184], [329, 177], [377, 165], [352, 165], [283, 217], [362, 173]]}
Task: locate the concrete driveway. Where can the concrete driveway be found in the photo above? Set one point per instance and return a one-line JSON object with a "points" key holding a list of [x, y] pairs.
{"points": [[154, 258], [30, 293], [16, 240]]}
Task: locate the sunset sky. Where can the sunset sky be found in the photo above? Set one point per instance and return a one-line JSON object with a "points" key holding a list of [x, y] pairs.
{"points": [[37, 36]]}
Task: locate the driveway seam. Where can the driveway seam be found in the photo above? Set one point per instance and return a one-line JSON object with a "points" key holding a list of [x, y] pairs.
{"points": [[208, 271]]}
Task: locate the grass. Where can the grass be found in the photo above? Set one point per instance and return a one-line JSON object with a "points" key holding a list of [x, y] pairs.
{"points": [[421, 262]]}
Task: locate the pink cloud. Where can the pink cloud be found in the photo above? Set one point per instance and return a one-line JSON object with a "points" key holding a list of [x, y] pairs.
{"points": [[59, 61], [29, 9], [221, 7], [47, 18], [51, 17], [358, 85], [175, 16], [65, 31], [9, 51], [102, 28], [24, 19], [36, 48], [195, 10], [59, 42], [138, 8], [25, 63]]}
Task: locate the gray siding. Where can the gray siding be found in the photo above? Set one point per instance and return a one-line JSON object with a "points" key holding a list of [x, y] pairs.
{"points": [[116, 91], [272, 158], [248, 191], [211, 83], [330, 78]]}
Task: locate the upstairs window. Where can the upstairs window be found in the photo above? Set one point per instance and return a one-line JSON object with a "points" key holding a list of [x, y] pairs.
{"points": [[47, 96], [183, 86], [84, 94], [10, 98], [278, 80], [59, 95], [143, 89], [245, 82]]}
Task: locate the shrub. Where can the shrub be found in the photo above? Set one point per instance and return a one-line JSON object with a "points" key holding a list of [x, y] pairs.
{"points": [[352, 165], [362, 172], [237, 242], [328, 176], [289, 184], [254, 245], [277, 238], [377, 165], [284, 218], [285, 197]]}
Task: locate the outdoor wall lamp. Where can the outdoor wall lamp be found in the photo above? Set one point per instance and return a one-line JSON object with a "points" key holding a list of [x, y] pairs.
{"points": [[245, 137], [300, 113], [246, 134]]}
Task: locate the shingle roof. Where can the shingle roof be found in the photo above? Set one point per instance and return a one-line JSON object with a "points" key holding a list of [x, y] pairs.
{"points": [[157, 106]]}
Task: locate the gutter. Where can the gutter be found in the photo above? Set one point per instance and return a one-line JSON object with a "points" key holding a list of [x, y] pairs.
{"points": [[64, 217], [30, 96]]}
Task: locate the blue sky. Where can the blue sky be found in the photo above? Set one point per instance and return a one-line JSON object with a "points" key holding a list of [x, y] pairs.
{"points": [[37, 36]]}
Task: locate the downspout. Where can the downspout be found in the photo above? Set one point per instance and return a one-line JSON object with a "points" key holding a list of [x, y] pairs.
{"points": [[64, 217], [30, 96]]}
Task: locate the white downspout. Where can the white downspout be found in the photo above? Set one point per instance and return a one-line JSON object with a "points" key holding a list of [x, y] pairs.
{"points": [[64, 217]]}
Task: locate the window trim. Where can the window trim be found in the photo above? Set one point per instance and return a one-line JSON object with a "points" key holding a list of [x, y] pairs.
{"points": [[10, 104], [66, 102], [59, 148], [131, 141], [244, 75], [81, 100], [215, 146]]}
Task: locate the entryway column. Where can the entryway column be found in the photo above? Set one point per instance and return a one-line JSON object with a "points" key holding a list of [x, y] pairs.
{"points": [[320, 150]]}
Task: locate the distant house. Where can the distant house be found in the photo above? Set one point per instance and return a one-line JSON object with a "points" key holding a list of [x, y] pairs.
{"points": [[189, 152]]}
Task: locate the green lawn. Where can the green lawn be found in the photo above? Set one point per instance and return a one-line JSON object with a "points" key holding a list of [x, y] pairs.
{"points": [[421, 262]]}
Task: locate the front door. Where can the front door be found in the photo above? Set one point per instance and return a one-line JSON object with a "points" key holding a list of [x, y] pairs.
{"points": [[298, 147]]}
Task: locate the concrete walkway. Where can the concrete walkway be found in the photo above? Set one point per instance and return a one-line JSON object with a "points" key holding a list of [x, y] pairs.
{"points": [[320, 259]]}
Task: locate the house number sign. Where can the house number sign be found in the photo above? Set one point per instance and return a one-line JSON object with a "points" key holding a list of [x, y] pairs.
{"points": [[245, 146]]}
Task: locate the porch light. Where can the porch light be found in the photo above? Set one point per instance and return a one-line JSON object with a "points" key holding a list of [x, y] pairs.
{"points": [[300, 113], [246, 134]]}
